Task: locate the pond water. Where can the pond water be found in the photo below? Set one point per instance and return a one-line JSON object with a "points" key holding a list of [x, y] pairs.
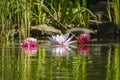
{"points": [[89, 62]]}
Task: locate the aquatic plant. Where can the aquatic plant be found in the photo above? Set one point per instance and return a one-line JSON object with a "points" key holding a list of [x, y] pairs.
{"points": [[67, 13], [29, 42], [81, 14], [109, 11], [116, 12], [20, 15], [114, 15], [83, 39], [61, 39]]}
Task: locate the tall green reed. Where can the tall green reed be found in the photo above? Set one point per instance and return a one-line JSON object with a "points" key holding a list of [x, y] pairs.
{"points": [[116, 12], [38, 13], [109, 11]]}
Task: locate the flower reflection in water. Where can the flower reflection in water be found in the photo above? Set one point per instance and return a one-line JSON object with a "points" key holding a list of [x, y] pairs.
{"points": [[83, 49], [29, 46], [30, 50], [61, 50]]}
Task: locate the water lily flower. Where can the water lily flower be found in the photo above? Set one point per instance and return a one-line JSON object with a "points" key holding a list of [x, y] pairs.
{"points": [[29, 42], [84, 49], [61, 50], [83, 39], [61, 39]]}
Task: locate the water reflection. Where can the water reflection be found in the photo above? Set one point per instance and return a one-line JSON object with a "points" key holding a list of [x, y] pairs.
{"points": [[113, 68], [103, 63], [61, 50], [30, 50], [83, 49]]}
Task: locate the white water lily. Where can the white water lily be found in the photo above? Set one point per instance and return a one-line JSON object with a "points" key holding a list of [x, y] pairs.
{"points": [[61, 39]]}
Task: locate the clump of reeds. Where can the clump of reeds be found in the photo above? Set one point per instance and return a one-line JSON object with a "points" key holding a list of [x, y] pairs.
{"points": [[116, 12], [19, 15]]}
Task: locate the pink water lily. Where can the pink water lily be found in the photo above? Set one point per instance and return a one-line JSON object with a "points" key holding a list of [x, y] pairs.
{"points": [[83, 39], [61, 39], [29, 42]]}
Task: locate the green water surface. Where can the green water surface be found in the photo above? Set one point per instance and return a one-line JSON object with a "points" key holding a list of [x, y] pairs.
{"points": [[96, 62]]}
